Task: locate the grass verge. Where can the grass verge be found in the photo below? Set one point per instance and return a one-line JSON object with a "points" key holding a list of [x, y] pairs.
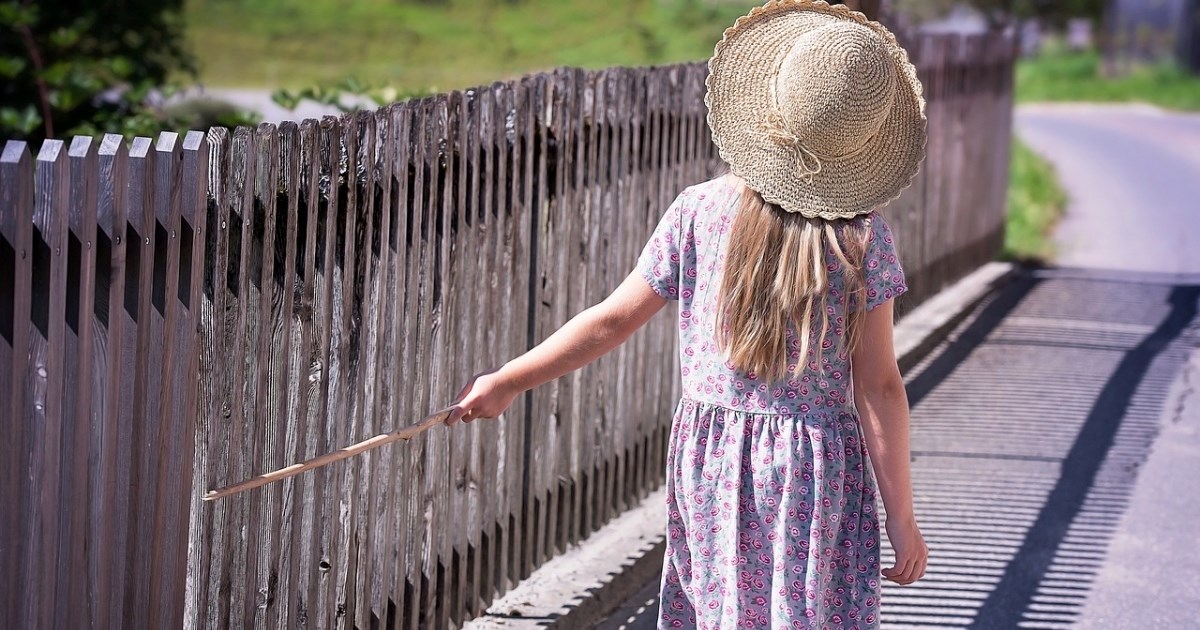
{"points": [[418, 45], [1036, 202], [1058, 75]]}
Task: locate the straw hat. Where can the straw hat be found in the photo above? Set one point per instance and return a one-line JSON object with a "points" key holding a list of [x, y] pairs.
{"points": [[816, 108]]}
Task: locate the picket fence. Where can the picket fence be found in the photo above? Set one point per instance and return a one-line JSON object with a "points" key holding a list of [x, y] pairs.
{"points": [[181, 313]]}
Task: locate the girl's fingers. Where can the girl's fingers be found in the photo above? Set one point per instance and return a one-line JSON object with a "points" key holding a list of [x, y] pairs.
{"points": [[898, 570], [456, 414], [910, 573]]}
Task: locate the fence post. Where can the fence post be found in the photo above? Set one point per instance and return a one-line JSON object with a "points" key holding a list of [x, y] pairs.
{"points": [[110, 475], [78, 412], [16, 274]]}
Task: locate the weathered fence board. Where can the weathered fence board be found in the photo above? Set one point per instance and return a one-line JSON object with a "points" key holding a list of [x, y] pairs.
{"points": [[16, 277], [183, 313]]}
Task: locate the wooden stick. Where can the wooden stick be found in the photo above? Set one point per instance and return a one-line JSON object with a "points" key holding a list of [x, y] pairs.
{"points": [[407, 433]]}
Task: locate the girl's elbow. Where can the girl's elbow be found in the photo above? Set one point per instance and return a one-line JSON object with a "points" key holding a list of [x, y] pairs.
{"points": [[888, 385]]}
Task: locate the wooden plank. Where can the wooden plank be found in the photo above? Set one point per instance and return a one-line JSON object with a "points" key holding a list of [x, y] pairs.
{"points": [[170, 430], [77, 403], [238, 407], [379, 574], [44, 384], [343, 369], [208, 567], [391, 242], [564, 213], [636, 204], [492, 484], [303, 168], [194, 221], [556, 252], [417, 324], [148, 362], [108, 506], [545, 485], [511, 463], [363, 414], [458, 292], [322, 607], [473, 358], [625, 373], [288, 369], [259, 298], [17, 524], [440, 449], [524, 104], [397, 467]]}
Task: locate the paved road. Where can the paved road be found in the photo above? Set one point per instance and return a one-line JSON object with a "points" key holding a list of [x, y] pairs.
{"points": [[1133, 175], [1056, 433]]}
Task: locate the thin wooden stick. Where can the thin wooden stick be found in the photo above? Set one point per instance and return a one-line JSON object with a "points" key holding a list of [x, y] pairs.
{"points": [[407, 433]]}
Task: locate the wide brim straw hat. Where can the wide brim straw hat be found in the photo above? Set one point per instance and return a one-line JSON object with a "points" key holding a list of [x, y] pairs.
{"points": [[817, 108]]}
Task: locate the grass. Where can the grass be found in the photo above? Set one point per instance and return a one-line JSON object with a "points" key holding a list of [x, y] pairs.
{"points": [[419, 45], [1036, 201], [1058, 75]]}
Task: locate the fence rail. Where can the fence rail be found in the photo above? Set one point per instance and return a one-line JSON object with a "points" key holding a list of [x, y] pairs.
{"points": [[182, 313]]}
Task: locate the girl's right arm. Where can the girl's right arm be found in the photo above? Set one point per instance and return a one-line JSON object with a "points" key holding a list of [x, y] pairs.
{"points": [[883, 408], [585, 338]]}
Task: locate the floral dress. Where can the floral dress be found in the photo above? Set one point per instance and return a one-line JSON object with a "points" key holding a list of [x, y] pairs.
{"points": [[771, 502]]}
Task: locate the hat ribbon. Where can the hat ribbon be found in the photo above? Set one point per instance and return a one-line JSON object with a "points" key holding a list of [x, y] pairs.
{"points": [[776, 129]]}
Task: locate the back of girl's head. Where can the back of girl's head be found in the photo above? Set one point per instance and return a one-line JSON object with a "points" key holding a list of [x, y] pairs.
{"points": [[778, 276]]}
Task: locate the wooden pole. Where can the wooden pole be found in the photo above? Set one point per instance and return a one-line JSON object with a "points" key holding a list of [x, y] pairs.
{"points": [[407, 433]]}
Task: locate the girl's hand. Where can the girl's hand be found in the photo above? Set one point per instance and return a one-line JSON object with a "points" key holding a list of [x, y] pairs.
{"points": [[487, 395], [911, 552]]}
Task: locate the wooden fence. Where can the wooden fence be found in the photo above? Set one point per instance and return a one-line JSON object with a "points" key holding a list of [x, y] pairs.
{"points": [[183, 313]]}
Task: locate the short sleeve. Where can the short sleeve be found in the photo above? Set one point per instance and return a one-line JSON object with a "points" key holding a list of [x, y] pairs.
{"points": [[884, 275], [659, 262]]}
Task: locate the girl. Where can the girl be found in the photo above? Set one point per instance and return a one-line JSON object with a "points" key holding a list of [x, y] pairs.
{"points": [[786, 279]]}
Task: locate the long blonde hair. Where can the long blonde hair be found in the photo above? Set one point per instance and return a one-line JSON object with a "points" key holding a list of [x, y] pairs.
{"points": [[775, 277]]}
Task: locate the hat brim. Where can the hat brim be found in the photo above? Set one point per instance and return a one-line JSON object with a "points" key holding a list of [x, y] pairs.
{"points": [[739, 100]]}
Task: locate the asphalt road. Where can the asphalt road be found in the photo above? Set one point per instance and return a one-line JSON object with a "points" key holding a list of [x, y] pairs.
{"points": [[1133, 176], [1056, 433]]}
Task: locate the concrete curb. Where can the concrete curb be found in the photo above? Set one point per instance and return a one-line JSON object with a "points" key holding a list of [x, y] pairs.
{"points": [[581, 587]]}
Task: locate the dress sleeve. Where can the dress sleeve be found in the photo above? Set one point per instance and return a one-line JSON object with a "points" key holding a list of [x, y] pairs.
{"points": [[884, 275], [659, 262]]}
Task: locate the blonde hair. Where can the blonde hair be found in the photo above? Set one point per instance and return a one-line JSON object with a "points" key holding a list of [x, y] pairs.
{"points": [[775, 277]]}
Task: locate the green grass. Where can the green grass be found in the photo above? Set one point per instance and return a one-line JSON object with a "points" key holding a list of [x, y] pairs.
{"points": [[1036, 201], [416, 45], [1058, 75]]}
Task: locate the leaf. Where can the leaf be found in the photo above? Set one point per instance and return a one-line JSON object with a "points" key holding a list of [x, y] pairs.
{"points": [[25, 120], [286, 99], [14, 15], [65, 37], [10, 67]]}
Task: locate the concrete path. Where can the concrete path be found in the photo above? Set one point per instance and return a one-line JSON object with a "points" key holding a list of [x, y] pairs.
{"points": [[1056, 433]]}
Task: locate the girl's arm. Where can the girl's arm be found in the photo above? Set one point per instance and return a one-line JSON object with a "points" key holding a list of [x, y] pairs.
{"points": [[588, 336], [883, 408]]}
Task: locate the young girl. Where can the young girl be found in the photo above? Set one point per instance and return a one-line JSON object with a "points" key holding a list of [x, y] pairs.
{"points": [[785, 278]]}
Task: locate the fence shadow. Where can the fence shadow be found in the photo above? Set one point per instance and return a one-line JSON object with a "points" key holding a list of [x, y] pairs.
{"points": [[1027, 437]]}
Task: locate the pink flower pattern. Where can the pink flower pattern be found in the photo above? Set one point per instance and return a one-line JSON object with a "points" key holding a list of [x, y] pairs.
{"points": [[770, 497]]}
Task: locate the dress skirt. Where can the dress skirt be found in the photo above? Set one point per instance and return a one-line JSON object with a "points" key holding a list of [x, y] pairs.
{"points": [[771, 521]]}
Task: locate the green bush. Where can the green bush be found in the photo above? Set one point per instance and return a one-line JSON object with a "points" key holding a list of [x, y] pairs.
{"points": [[90, 66], [1036, 202]]}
